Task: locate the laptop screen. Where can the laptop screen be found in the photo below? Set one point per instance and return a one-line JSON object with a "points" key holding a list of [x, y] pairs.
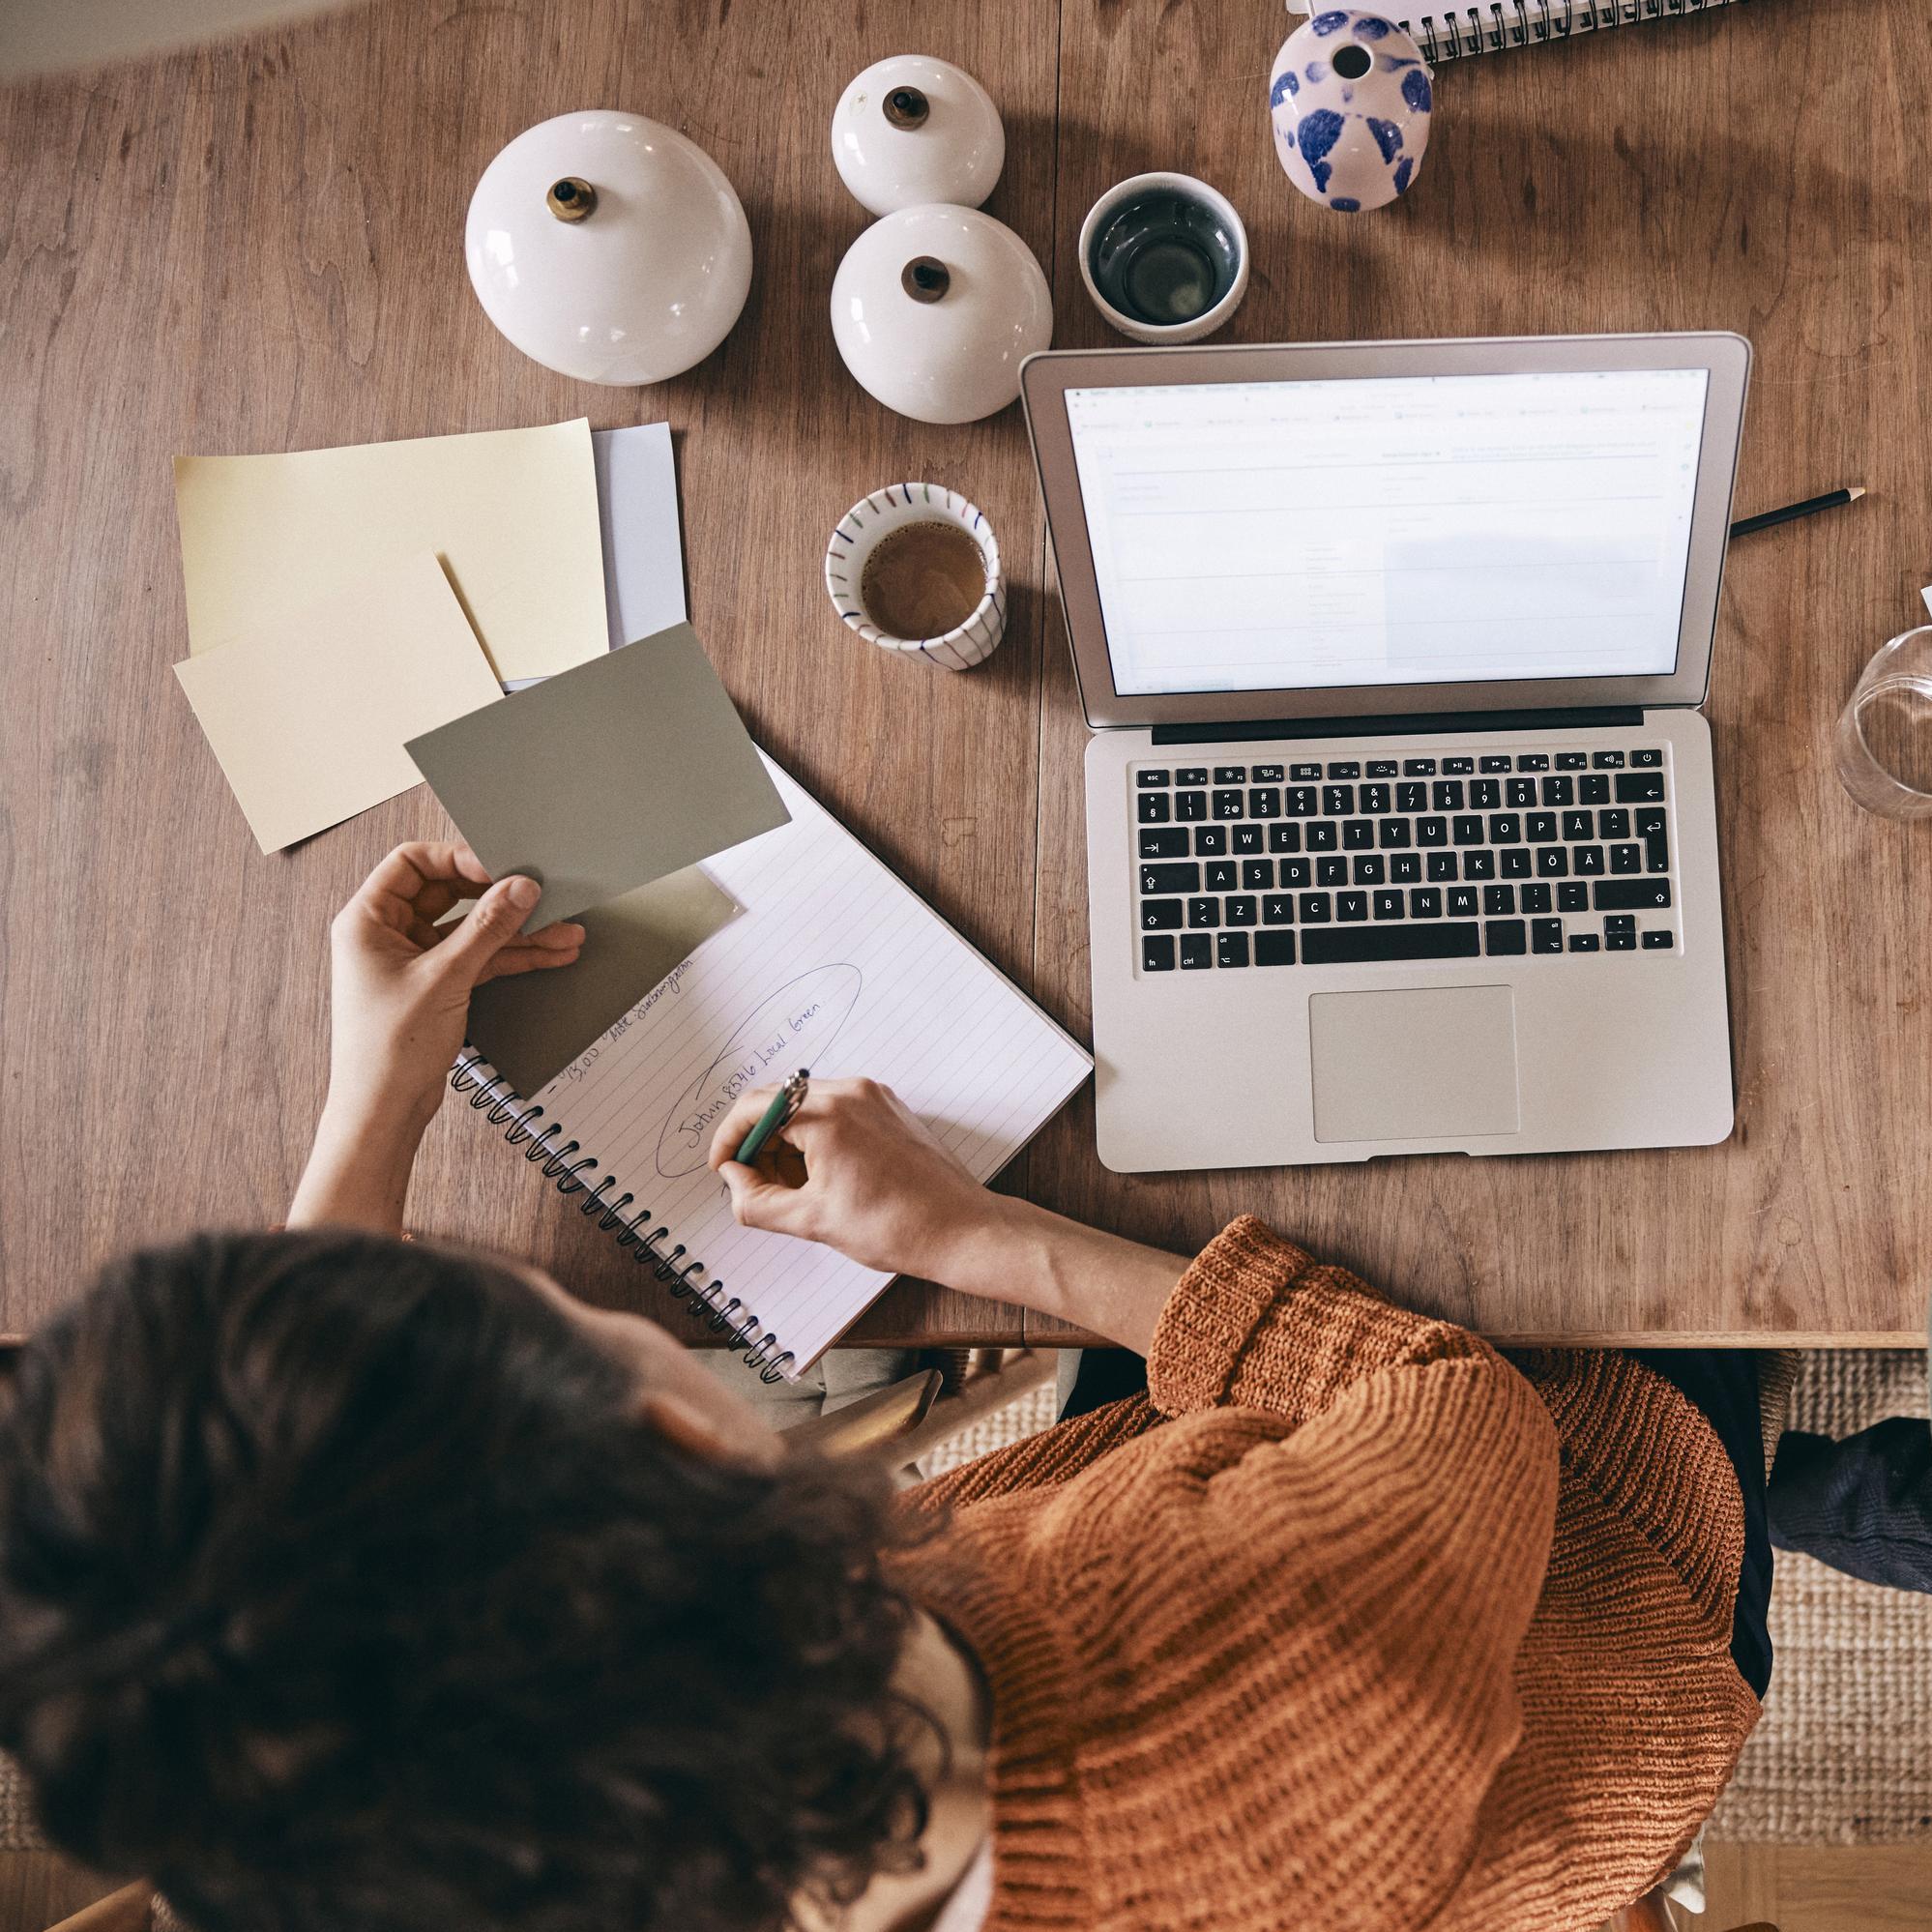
{"points": [[1398, 530]]}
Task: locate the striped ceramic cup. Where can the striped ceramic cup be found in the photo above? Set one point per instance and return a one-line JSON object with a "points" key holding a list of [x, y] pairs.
{"points": [[859, 531]]}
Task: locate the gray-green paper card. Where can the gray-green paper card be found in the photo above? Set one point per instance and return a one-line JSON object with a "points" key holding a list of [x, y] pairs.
{"points": [[531, 1027], [606, 777]]}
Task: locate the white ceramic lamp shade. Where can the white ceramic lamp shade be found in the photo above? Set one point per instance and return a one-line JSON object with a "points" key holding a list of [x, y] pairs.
{"points": [[608, 248], [935, 308], [912, 129]]}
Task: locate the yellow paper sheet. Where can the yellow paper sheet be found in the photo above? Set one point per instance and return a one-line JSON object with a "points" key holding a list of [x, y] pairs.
{"points": [[309, 715], [512, 512]]}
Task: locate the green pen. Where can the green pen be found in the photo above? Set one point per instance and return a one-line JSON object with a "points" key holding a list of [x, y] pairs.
{"points": [[786, 1102]]}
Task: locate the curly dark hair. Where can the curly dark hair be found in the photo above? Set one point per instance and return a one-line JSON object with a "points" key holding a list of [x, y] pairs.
{"points": [[342, 1588]]}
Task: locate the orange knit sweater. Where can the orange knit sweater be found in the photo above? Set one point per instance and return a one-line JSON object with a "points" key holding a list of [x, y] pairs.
{"points": [[1349, 1624]]}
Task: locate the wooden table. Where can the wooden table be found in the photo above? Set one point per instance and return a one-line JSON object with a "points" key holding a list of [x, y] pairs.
{"points": [[257, 247]]}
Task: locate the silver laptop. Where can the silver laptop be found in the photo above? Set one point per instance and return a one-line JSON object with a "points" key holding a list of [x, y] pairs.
{"points": [[1400, 827]]}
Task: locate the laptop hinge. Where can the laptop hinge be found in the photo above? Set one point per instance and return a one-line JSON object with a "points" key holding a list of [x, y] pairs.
{"points": [[1403, 725]]}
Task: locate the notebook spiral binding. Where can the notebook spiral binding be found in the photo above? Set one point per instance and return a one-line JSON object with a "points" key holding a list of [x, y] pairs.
{"points": [[1457, 32], [570, 1168]]}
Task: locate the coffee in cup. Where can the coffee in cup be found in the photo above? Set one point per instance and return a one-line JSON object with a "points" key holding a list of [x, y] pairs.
{"points": [[915, 569]]}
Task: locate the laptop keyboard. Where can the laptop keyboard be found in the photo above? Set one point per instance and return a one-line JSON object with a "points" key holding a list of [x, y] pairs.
{"points": [[1357, 860]]}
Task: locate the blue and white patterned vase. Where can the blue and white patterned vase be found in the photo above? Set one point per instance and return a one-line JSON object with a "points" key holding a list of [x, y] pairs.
{"points": [[1349, 98]]}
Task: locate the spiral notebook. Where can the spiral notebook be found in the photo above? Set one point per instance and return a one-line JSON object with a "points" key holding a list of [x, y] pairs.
{"points": [[1457, 32], [832, 965]]}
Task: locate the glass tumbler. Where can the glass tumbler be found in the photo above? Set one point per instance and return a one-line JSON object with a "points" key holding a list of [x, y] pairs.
{"points": [[1885, 733]]}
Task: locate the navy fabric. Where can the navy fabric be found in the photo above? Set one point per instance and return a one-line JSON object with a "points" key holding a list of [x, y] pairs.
{"points": [[1864, 1505]]}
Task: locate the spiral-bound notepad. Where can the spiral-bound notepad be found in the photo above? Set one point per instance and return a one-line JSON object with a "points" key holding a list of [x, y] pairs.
{"points": [[833, 965], [1455, 32]]}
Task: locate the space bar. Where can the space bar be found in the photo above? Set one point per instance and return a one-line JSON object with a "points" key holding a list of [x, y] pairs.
{"points": [[1357, 944]]}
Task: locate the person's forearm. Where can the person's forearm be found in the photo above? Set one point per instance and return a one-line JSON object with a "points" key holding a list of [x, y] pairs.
{"points": [[1062, 1269], [358, 1172]]}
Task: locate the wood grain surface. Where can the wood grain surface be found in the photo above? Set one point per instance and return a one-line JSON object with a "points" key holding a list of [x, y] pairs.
{"points": [[257, 246]]}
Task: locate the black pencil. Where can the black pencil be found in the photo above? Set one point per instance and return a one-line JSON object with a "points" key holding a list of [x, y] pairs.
{"points": [[1811, 505]]}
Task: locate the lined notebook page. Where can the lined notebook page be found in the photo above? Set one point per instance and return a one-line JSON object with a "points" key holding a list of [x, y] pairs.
{"points": [[837, 966]]}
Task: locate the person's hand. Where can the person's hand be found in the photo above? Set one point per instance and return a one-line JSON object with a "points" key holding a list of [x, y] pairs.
{"points": [[856, 1169], [401, 985]]}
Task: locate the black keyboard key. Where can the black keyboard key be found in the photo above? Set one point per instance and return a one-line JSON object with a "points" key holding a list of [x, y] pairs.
{"points": [[1585, 942], [1613, 822], [1351, 906], [1257, 875], [1372, 799], [1170, 878], [1425, 902], [1303, 774], [1519, 793], [1241, 910], [1653, 756], [1146, 778], [1189, 806], [1466, 829], [1535, 899], [1442, 867], [1228, 804], [1515, 862], [1411, 798], [1540, 828], [1498, 901], [1323, 836], [1167, 842], [1506, 828], [1484, 795], [1479, 865], [1574, 895], [1620, 942], [1388, 905], [1344, 768], [1547, 935], [1284, 839], [1278, 909], [1626, 859], [1153, 808], [1405, 867], [1247, 841], [1296, 873], [1337, 801], [1300, 801], [1632, 895], [1578, 825], [1192, 775], [1533, 761], [1264, 802], [1366, 945], [1211, 842], [1592, 789], [1357, 834], [1494, 763], [1552, 863], [1432, 831], [1231, 949], [1657, 940], [1656, 852], [1588, 861], [1607, 761], [1418, 768], [1314, 909], [1382, 768], [1197, 950], [1505, 935], [1392, 831], [1266, 775], [1157, 953], [1651, 819], [1459, 767], [1274, 949], [1161, 916], [1369, 870], [1445, 795], [1221, 876], [1559, 791], [1621, 922], [1640, 787], [1204, 913], [1572, 761], [1331, 871], [1462, 902], [1230, 774]]}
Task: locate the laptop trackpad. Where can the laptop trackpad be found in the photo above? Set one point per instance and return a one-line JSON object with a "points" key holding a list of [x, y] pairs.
{"points": [[1414, 1064]]}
